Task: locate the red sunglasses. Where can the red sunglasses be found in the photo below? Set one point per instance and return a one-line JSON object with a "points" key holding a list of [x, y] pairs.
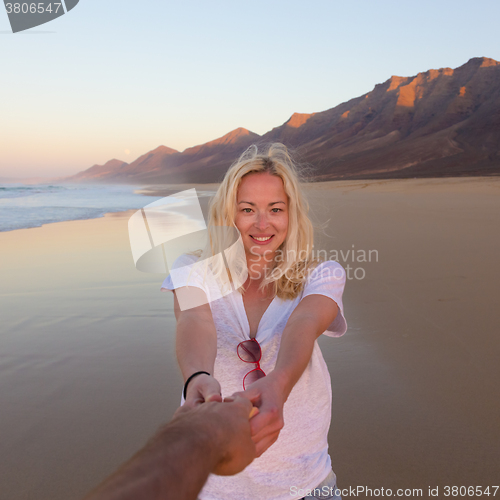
{"points": [[249, 351]]}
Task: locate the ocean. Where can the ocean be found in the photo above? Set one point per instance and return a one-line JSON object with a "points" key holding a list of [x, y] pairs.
{"points": [[25, 206]]}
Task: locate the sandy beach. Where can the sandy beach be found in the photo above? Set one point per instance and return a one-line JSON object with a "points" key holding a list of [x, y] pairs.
{"points": [[87, 362]]}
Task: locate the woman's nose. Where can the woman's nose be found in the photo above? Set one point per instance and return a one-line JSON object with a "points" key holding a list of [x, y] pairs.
{"points": [[262, 221]]}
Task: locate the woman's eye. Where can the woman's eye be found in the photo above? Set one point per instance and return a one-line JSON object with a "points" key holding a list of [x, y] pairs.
{"points": [[249, 210]]}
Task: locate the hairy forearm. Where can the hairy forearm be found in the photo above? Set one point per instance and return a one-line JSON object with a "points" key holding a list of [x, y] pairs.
{"points": [[196, 345], [174, 464]]}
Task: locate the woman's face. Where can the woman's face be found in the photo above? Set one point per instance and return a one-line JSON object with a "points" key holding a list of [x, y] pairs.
{"points": [[262, 214]]}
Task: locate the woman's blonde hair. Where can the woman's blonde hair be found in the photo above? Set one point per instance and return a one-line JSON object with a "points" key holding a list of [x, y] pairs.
{"points": [[295, 256]]}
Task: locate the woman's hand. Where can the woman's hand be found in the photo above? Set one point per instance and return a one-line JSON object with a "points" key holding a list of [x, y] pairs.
{"points": [[202, 389], [268, 396]]}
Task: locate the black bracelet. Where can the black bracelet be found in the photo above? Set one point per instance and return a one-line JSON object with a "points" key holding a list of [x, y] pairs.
{"points": [[189, 380]]}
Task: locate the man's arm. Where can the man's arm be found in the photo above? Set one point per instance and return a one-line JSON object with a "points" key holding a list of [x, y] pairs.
{"points": [[307, 322], [175, 463]]}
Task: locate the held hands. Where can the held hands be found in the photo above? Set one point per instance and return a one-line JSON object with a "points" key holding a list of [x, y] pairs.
{"points": [[226, 429], [268, 396], [239, 448], [202, 389]]}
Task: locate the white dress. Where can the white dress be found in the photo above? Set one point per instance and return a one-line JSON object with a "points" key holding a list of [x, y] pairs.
{"points": [[299, 458]]}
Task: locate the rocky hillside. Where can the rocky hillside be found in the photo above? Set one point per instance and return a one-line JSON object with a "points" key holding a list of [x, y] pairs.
{"points": [[440, 123]]}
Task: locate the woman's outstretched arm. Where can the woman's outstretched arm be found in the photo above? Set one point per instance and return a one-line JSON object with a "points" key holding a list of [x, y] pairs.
{"points": [[196, 348], [307, 322]]}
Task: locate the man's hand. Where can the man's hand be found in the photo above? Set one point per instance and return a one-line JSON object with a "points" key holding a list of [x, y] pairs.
{"points": [[212, 437], [202, 389], [226, 427], [267, 395]]}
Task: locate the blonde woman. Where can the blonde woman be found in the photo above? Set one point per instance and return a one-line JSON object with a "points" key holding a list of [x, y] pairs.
{"points": [[260, 339]]}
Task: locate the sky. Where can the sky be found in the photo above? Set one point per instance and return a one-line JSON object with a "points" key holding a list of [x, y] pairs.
{"points": [[118, 78]]}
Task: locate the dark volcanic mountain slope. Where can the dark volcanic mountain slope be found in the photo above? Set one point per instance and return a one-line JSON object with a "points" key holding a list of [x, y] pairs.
{"points": [[98, 172], [439, 123], [205, 163]]}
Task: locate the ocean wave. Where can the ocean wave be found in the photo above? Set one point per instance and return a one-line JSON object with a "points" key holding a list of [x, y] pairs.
{"points": [[14, 191], [26, 206]]}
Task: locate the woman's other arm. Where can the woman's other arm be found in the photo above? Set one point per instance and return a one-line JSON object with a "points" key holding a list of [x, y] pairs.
{"points": [[196, 348], [307, 322]]}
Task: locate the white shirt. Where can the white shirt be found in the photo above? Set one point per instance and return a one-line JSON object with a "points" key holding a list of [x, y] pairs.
{"points": [[300, 455]]}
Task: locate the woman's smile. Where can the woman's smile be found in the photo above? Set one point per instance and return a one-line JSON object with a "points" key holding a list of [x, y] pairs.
{"points": [[261, 240]]}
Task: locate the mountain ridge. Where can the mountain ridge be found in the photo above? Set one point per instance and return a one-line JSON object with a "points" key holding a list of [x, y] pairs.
{"points": [[440, 122]]}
